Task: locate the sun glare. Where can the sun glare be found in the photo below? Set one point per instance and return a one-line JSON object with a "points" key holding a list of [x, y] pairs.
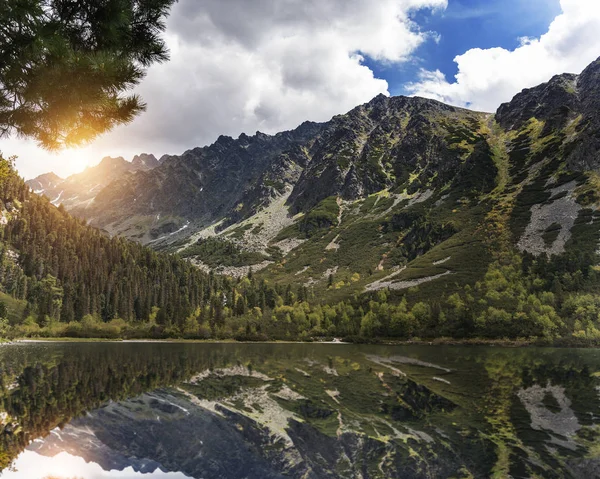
{"points": [[75, 159]]}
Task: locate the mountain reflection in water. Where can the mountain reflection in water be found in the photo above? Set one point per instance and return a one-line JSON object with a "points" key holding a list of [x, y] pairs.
{"points": [[65, 466], [262, 411]]}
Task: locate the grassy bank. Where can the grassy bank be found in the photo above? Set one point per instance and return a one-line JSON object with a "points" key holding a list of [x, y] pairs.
{"points": [[443, 341]]}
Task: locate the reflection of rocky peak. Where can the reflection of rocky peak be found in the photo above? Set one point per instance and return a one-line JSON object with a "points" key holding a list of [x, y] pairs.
{"points": [[160, 430], [164, 430], [304, 411]]}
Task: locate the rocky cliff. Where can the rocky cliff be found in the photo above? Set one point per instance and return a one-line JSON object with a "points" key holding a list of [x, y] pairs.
{"points": [[80, 189], [399, 194]]}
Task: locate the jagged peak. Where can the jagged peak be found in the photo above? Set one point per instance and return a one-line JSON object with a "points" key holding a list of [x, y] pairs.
{"points": [[380, 98], [224, 140], [261, 136], [51, 176], [112, 161], [403, 102], [592, 69], [589, 83], [541, 101], [145, 159]]}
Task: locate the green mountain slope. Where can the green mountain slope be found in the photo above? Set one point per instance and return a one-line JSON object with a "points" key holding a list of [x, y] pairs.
{"points": [[460, 224], [403, 218], [60, 276]]}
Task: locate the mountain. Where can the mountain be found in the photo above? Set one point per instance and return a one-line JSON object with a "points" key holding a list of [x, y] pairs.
{"points": [[55, 270], [375, 146], [45, 182], [145, 161], [80, 189], [404, 217], [204, 185]]}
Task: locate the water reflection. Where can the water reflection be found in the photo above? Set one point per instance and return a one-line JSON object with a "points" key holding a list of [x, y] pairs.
{"points": [[295, 410], [65, 466]]}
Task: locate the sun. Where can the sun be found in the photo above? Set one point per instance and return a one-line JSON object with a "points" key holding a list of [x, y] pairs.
{"points": [[75, 159]]}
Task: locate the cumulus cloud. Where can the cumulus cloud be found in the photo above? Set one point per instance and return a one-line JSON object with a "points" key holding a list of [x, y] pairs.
{"points": [[241, 66], [488, 77]]}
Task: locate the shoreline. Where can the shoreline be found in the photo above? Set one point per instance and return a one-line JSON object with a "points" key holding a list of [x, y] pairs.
{"points": [[503, 343], [174, 340]]}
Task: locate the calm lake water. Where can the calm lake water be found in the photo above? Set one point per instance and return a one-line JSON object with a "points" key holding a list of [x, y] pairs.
{"points": [[262, 411]]}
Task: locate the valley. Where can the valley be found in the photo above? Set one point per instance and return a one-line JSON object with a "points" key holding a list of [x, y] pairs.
{"points": [[405, 217]]}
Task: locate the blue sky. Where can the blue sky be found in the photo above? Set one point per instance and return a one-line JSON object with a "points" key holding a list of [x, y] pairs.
{"points": [[464, 25]]}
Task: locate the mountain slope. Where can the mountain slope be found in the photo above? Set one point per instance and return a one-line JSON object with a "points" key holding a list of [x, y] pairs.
{"points": [[375, 146], [404, 217], [80, 189], [483, 223], [203, 185], [65, 271]]}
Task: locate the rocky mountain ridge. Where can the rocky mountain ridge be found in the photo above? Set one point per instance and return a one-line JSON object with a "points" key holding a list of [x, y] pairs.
{"points": [[81, 188], [396, 194], [375, 146]]}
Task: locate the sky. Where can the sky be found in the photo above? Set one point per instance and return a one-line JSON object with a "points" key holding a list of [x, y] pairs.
{"points": [[240, 66]]}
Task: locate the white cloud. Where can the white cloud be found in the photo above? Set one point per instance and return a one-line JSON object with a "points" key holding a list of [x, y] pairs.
{"points": [[241, 66], [487, 78]]}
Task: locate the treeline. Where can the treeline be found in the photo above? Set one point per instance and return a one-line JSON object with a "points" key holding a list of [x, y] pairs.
{"points": [[519, 297], [76, 281], [66, 270]]}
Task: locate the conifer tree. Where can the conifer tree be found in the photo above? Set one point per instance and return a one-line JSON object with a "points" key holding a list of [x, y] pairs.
{"points": [[66, 65]]}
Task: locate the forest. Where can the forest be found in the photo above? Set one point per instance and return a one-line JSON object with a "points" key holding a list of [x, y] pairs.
{"points": [[62, 278]]}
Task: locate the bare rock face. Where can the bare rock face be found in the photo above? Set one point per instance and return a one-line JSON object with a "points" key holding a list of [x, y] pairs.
{"points": [[585, 151], [378, 145], [45, 182], [80, 189], [145, 161], [554, 101], [227, 178], [568, 103]]}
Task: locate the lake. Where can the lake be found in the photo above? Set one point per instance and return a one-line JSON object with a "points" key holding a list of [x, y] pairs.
{"points": [[262, 411]]}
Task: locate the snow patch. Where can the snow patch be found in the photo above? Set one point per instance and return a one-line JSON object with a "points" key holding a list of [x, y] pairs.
{"points": [[57, 199], [563, 423], [333, 245], [442, 261]]}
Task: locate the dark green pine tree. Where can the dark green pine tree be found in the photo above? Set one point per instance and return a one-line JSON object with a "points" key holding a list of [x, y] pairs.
{"points": [[66, 65]]}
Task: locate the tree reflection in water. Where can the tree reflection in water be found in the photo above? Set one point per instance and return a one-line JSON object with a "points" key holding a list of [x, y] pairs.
{"points": [[173, 411]]}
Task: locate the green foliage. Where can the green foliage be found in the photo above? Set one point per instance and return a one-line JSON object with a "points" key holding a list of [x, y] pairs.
{"points": [[64, 66], [240, 231], [466, 227], [220, 252], [66, 270], [420, 235], [320, 218]]}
